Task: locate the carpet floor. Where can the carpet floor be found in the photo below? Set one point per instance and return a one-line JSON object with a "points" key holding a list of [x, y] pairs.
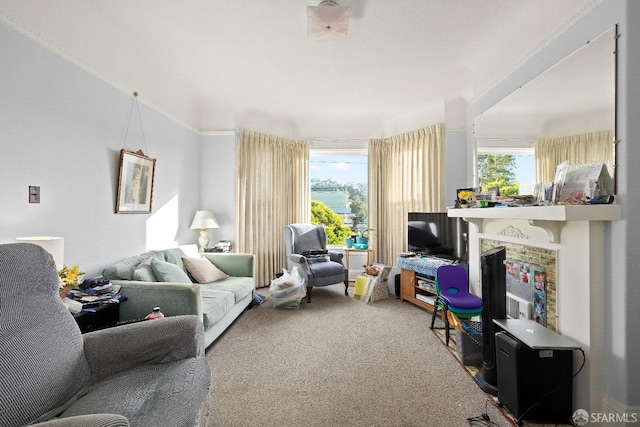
{"points": [[340, 362]]}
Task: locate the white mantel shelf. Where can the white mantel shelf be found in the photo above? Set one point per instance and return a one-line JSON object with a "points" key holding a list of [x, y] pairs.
{"points": [[550, 218], [547, 213]]}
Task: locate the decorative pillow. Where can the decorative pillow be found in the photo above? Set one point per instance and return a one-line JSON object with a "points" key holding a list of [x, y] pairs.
{"points": [[167, 272], [174, 256], [144, 272], [203, 270], [123, 270]]}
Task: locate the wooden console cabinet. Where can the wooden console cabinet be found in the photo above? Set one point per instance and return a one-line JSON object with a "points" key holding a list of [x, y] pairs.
{"points": [[416, 289]]}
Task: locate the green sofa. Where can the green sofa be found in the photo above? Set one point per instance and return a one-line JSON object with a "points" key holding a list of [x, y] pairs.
{"points": [[160, 279]]}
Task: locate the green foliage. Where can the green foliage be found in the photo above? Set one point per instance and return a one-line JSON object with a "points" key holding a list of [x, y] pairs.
{"points": [[359, 211], [498, 170], [357, 197], [335, 228], [364, 232], [512, 189]]}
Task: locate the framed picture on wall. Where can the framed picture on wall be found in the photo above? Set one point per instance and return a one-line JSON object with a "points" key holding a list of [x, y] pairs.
{"points": [[135, 182]]}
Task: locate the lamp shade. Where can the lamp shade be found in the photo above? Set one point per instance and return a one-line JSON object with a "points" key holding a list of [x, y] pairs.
{"points": [[204, 220], [53, 245], [328, 20]]}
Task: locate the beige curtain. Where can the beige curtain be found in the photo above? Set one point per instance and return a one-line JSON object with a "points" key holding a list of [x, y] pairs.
{"points": [[405, 175], [272, 188], [577, 149]]}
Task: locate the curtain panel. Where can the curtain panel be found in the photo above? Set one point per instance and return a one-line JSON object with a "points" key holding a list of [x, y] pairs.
{"points": [[586, 148], [405, 175], [272, 189]]}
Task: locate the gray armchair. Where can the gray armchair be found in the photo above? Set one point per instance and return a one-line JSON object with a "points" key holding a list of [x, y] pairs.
{"points": [[300, 238], [149, 373]]}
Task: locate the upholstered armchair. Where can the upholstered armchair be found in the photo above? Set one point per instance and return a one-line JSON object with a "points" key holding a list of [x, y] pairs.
{"points": [[304, 238], [151, 373]]}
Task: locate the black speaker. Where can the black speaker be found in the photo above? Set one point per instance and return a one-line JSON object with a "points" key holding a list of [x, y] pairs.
{"points": [[494, 306], [534, 384]]}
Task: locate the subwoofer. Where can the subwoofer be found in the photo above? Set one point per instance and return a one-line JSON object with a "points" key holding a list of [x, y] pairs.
{"points": [[534, 384]]}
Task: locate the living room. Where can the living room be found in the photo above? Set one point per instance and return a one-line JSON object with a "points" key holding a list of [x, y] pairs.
{"points": [[63, 128]]}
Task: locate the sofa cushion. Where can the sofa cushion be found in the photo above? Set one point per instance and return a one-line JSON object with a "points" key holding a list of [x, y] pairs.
{"points": [[168, 272], [144, 272], [150, 394], [174, 256], [215, 304], [203, 270], [240, 287], [123, 270]]}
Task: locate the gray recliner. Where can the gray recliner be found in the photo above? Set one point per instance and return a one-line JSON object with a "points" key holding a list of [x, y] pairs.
{"points": [[300, 238], [150, 373]]}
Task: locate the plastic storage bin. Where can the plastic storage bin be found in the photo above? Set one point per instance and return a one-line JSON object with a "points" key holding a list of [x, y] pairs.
{"points": [[288, 297], [287, 293], [287, 290]]}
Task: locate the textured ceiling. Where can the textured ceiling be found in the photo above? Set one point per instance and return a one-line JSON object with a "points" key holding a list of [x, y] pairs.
{"points": [[218, 65]]}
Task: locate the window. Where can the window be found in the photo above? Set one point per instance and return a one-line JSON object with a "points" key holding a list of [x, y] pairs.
{"points": [[339, 192], [513, 170]]}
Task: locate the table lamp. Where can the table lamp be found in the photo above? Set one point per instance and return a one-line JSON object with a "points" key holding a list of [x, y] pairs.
{"points": [[203, 221], [53, 245]]}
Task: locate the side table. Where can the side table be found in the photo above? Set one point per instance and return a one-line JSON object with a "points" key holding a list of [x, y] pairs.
{"points": [[349, 251], [99, 317]]}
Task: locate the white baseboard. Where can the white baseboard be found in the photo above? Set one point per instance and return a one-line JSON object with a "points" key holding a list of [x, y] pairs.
{"points": [[620, 411]]}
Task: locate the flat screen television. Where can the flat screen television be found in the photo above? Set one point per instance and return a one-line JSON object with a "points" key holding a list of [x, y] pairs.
{"points": [[436, 234]]}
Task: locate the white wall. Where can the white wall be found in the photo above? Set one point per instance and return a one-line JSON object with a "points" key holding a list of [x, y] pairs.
{"points": [[459, 155], [62, 129], [622, 371], [217, 180]]}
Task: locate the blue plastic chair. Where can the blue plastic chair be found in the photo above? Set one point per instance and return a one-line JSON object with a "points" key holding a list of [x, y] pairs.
{"points": [[452, 286]]}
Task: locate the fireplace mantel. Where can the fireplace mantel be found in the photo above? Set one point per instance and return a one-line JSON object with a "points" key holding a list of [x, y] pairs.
{"points": [[550, 218], [577, 234]]}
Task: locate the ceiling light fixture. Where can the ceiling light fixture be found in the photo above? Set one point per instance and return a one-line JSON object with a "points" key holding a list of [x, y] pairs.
{"points": [[328, 20]]}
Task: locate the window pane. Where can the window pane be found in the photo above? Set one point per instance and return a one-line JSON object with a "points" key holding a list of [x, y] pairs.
{"points": [[339, 194], [513, 174], [526, 173]]}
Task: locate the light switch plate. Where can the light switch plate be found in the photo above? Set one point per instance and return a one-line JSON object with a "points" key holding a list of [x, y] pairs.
{"points": [[34, 194]]}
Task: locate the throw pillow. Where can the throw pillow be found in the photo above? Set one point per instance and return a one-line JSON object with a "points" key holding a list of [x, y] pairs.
{"points": [[144, 272], [174, 256], [203, 270], [167, 272], [123, 270]]}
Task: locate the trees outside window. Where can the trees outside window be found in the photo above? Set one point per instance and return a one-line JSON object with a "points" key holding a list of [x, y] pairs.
{"points": [[335, 228], [513, 174], [497, 170], [339, 195]]}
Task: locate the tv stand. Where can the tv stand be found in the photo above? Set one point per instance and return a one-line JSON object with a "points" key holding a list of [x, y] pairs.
{"points": [[416, 289], [417, 280]]}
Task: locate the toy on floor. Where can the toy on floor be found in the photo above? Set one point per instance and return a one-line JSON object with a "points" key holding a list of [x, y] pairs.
{"points": [[371, 270]]}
